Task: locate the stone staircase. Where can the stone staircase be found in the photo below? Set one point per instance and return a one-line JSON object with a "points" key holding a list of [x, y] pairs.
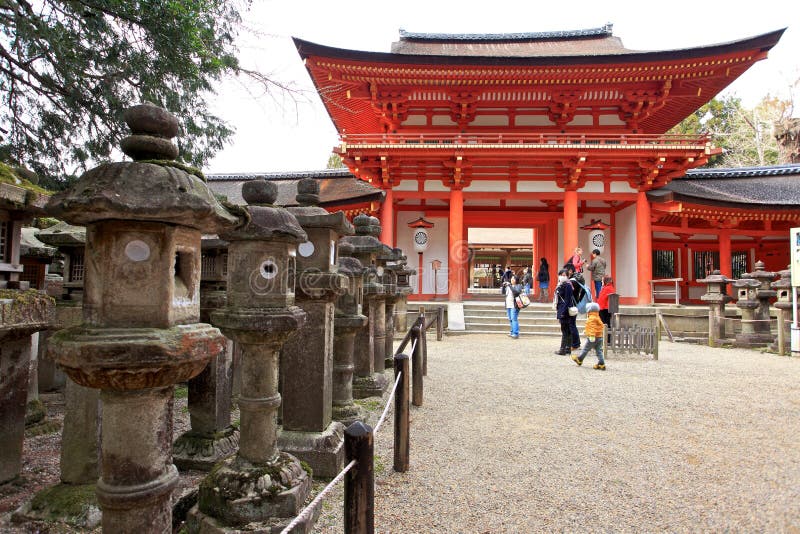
{"points": [[490, 318]]}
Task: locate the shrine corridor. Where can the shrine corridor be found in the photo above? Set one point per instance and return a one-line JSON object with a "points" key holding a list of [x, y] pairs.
{"points": [[513, 438]]}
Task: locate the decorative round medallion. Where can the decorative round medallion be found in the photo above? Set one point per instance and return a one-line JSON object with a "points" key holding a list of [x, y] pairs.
{"points": [[305, 249], [268, 269], [599, 240], [420, 238], [137, 250]]}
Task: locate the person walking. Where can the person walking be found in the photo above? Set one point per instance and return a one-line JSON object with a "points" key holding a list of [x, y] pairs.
{"points": [[511, 290], [543, 277], [570, 339], [597, 266], [507, 274], [527, 280], [602, 299], [594, 337]]}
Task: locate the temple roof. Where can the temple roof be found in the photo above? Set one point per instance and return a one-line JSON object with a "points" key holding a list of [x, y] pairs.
{"points": [[771, 187], [591, 42], [337, 186], [763, 42]]}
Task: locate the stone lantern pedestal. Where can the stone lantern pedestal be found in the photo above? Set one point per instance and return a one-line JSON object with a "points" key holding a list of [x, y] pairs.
{"points": [[259, 484], [23, 313], [783, 288], [211, 437], [347, 321], [140, 333], [404, 274], [716, 296], [370, 344], [388, 260], [309, 432], [765, 294], [748, 303]]}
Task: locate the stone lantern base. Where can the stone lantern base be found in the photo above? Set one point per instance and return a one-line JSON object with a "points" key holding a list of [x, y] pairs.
{"points": [[322, 451], [349, 414], [201, 451], [238, 497], [369, 386]]}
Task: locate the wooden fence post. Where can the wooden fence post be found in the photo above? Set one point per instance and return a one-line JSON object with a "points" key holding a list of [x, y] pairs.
{"points": [[439, 323], [416, 364], [423, 332], [401, 415], [359, 482]]}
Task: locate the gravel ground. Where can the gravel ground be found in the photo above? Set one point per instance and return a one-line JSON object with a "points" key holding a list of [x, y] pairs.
{"points": [[513, 438]]}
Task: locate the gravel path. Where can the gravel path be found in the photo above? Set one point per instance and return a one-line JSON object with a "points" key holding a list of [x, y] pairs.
{"points": [[513, 438]]}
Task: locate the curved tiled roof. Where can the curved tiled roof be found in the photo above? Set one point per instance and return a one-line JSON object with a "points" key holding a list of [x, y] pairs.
{"points": [[337, 186], [770, 187], [523, 36]]}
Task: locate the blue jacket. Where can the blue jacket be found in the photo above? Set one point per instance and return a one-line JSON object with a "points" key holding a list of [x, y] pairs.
{"points": [[564, 300]]}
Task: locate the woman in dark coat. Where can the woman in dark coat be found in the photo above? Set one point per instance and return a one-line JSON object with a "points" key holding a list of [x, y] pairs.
{"points": [[569, 330]]}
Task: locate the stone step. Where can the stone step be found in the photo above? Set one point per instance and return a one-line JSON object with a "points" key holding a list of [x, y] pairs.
{"points": [[544, 321]]}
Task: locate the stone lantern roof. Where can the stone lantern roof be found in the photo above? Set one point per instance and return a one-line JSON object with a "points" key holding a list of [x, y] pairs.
{"points": [[153, 187], [310, 215], [63, 234], [265, 220]]}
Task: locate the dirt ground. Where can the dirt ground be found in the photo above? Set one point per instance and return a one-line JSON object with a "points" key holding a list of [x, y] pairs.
{"points": [[40, 467]]}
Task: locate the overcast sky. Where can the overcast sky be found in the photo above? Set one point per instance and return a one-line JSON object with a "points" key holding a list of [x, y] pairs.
{"points": [[279, 133]]}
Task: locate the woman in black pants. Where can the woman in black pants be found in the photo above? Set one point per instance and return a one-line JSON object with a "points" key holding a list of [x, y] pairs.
{"points": [[564, 301]]}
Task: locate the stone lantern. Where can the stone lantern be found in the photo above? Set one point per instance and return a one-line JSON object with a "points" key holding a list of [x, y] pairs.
{"points": [[211, 437], [71, 242], [783, 288], [370, 343], [140, 333], [347, 321], [747, 302], [717, 296], [765, 293], [259, 483], [309, 432], [388, 261], [404, 274]]}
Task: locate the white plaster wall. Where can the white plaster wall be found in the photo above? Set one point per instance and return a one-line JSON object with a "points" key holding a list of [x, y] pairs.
{"points": [[492, 186], [621, 187], [437, 250], [625, 247], [535, 186], [592, 187]]}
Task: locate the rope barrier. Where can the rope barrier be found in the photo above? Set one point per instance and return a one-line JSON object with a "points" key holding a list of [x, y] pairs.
{"points": [[388, 403], [305, 511]]}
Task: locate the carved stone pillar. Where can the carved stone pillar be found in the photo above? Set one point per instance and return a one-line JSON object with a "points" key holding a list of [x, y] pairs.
{"points": [[347, 321], [259, 483]]}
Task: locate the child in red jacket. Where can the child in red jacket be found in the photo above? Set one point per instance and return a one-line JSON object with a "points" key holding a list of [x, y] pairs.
{"points": [[594, 337]]}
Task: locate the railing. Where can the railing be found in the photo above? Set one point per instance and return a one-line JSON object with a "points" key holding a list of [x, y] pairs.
{"points": [[671, 292], [605, 140], [359, 438]]}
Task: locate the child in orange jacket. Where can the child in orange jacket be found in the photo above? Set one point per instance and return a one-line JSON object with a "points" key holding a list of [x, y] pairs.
{"points": [[594, 337]]}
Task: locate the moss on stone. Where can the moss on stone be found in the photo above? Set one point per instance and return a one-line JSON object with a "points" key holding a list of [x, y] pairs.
{"points": [[34, 412], [9, 176], [181, 392], [307, 468], [188, 169], [372, 405], [65, 501]]}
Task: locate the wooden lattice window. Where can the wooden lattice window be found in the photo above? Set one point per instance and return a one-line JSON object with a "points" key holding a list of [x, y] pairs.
{"points": [[663, 264], [224, 266], [705, 261], [208, 266], [4, 241], [32, 272], [738, 264], [76, 267]]}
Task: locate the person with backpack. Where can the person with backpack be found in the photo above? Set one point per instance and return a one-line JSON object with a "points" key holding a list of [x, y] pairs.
{"points": [[564, 299], [597, 266], [602, 299], [594, 337], [511, 290], [543, 277]]}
